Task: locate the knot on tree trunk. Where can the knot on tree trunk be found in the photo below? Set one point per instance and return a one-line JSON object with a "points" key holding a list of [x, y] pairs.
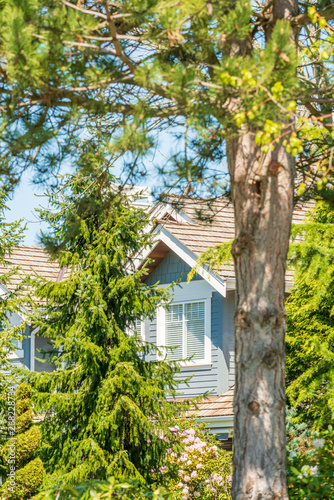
{"points": [[274, 167], [240, 243], [270, 317], [270, 359], [254, 407]]}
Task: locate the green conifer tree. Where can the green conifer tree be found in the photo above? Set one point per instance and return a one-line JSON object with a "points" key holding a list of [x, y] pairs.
{"points": [[106, 404], [249, 80], [24, 472], [310, 312]]}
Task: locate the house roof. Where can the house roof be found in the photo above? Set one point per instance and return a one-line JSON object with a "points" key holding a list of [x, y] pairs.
{"points": [[205, 225], [214, 406], [199, 226], [32, 261]]}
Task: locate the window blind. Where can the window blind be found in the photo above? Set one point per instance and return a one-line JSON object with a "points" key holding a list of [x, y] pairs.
{"points": [[139, 327], [195, 329], [185, 330], [174, 331]]}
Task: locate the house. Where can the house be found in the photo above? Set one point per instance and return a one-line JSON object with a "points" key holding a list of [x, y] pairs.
{"points": [[32, 261], [199, 322]]}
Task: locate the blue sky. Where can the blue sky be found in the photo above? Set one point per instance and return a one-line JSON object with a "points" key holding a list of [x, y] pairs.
{"points": [[28, 196], [22, 206]]}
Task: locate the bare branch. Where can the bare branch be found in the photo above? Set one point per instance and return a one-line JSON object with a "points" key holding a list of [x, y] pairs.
{"points": [[84, 11], [119, 51], [90, 46]]}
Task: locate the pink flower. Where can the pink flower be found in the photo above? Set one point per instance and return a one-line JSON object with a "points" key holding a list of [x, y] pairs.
{"points": [[193, 474], [189, 462], [217, 479], [199, 466], [162, 469], [188, 439], [174, 429], [180, 473], [180, 485], [186, 478]]}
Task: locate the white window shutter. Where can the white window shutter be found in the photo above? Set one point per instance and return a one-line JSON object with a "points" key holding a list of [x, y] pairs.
{"points": [[195, 330], [174, 331]]}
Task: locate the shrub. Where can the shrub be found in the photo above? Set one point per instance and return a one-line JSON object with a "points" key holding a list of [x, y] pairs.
{"points": [[23, 422], [196, 466], [27, 480], [105, 490], [27, 443], [24, 392], [25, 474], [311, 467]]}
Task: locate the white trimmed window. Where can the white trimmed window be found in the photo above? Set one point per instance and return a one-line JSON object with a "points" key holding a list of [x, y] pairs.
{"points": [[185, 330], [185, 325]]}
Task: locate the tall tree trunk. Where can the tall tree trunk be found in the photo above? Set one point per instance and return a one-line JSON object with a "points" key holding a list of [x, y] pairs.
{"points": [[262, 190]]}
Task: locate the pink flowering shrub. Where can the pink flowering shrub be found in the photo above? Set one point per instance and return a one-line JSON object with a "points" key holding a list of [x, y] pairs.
{"points": [[195, 466]]}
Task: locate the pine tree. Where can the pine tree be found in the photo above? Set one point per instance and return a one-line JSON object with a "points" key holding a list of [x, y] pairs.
{"points": [[310, 310], [233, 79], [106, 404]]}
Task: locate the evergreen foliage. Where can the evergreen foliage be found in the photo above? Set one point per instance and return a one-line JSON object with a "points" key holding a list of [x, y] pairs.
{"points": [[310, 313], [19, 451], [106, 403], [207, 71], [105, 490], [149, 66]]}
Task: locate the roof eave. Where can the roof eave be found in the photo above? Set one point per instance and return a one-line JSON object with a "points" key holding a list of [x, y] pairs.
{"points": [[160, 233]]}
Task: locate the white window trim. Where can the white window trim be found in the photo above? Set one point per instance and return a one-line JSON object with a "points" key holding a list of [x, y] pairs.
{"points": [[196, 291], [17, 354]]}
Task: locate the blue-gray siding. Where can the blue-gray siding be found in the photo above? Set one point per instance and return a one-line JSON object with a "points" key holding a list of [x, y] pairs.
{"points": [[26, 347], [214, 378], [169, 270]]}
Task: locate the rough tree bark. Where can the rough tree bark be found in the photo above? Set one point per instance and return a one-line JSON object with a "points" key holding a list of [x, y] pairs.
{"points": [[262, 190]]}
